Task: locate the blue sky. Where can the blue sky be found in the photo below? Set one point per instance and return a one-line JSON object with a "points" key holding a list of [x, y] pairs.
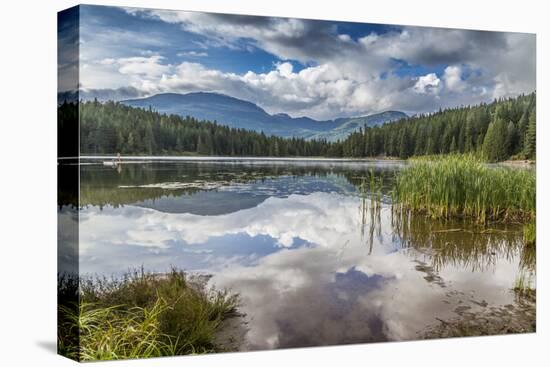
{"points": [[321, 69]]}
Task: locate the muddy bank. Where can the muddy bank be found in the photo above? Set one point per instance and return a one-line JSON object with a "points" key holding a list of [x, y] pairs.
{"points": [[519, 317]]}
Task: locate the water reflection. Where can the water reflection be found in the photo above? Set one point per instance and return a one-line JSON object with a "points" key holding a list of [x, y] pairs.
{"points": [[151, 182], [460, 243], [315, 260]]}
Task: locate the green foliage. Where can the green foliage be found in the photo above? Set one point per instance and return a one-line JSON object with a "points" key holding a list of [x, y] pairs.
{"points": [[111, 333], [531, 137], [108, 128], [145, 315], [463, 186], [495, 146], [501, 129], [530, 233]]}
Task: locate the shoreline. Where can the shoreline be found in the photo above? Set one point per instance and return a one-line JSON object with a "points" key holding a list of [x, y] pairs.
{"points": [[149, 159]]}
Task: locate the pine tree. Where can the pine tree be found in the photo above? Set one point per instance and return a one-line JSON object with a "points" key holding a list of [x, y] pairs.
{"points": [[494, 144], [404, 144], [452, 149], [511, 138], [130, 143], [531, 137]]}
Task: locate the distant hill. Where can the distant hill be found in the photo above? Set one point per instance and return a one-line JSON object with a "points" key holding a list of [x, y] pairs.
{"points": [[238, 113], [353, 124]]}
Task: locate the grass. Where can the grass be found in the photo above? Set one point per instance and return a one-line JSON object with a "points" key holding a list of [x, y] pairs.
{"points": [[143, 315], [370, 191], [523, 285], [530, 233], [461, 243], [462, 186]]}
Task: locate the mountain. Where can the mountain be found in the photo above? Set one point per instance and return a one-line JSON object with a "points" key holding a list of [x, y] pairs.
{"points": [[350, 125], [238, 113]]}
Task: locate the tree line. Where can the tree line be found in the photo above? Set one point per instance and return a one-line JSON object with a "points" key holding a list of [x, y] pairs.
{"points": [[110, 127], [503, 129]]}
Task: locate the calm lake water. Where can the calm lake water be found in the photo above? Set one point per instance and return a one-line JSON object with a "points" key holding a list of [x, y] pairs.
{"points": [[313, 262]]}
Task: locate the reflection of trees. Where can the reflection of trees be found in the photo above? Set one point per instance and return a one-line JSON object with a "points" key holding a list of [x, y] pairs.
{"points": [[101, 185], [528, 258], [463, 244], [384, 179]]}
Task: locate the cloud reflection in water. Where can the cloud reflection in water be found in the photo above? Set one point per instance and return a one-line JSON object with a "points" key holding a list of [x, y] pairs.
{"points": [[301, 266]]}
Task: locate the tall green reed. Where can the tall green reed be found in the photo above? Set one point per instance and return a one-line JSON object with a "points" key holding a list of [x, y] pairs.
{"points": [[463, 186]]}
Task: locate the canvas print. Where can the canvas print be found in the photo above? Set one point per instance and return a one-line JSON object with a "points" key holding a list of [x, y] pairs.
{"points": [[241, 183]]}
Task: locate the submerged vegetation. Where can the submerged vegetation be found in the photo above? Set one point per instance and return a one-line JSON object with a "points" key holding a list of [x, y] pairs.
{"points": [[142, 315], [463, 186]]}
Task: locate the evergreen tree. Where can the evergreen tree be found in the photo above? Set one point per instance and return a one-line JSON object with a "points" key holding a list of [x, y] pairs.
{"points": [[111, 127], [511, 139], [494, 144], [404, 144], [531, 138], [453, 147]]}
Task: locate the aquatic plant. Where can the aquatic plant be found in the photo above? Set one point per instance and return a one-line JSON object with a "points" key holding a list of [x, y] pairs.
{"points": [[144, 315], [464, 186], [523, 285], [370, 192], [530, 233]]}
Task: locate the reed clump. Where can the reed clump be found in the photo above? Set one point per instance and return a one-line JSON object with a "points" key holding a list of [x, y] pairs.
{"points": [[530, 233], [144, 315], [462, 186]]}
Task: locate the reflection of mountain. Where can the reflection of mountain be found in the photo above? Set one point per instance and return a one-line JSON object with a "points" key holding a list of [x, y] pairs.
{"points": [[243, 114], [203, 203], [328, 220], [183, 187]]}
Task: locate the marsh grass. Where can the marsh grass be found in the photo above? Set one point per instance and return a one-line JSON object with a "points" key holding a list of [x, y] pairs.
{"points": [[523, 285], [462, 186], [370, 191], [460, 242], [145, 315], [530, 233]]}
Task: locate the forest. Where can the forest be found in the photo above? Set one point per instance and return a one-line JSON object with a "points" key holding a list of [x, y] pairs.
{"points": [[500, 130]]}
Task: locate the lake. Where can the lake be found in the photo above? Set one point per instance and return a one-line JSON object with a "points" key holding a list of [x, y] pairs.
{"points": [[314, 260]]}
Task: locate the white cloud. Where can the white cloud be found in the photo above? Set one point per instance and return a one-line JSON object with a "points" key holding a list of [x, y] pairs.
{"points": [[323, 91], [193, 54], [150, 67], [428, 83], [343, 76], [453, 78]]}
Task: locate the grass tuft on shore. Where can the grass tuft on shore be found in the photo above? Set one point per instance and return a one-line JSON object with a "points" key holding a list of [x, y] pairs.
{"points": [[144, 315], [463, 186]]}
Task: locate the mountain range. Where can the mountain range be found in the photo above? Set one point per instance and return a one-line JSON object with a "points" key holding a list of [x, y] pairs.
{"points": [[238, 113]]}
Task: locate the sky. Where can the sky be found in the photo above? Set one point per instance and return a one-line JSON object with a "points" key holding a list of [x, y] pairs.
{"points": [[319, 69]]}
